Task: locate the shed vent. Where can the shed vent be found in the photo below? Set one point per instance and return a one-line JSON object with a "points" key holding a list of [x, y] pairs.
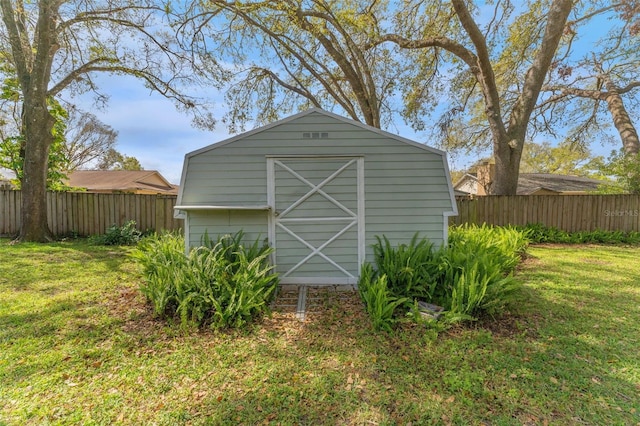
{"points": [[315, 135]]}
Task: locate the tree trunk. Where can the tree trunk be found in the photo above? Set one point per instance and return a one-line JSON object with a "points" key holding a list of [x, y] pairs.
{"points": [[33, 61], [507, 154], [508, 145], [38, 139], [623, 123]]}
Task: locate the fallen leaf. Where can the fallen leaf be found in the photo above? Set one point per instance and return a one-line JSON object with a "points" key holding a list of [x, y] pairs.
{"points": [[553, 380]]}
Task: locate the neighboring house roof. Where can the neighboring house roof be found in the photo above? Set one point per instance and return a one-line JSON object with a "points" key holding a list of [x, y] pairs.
{"points": [[135, 181], [537, 184], [531, 183]]}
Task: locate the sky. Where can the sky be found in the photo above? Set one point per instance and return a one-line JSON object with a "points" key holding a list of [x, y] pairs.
{"points": [[151, 129], [149, 126]]}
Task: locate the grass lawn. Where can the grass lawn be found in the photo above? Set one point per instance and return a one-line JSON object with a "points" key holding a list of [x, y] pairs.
{"points": [[78, 346]]}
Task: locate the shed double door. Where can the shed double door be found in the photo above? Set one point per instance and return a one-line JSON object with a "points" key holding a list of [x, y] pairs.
{"points": [[317, 218]]}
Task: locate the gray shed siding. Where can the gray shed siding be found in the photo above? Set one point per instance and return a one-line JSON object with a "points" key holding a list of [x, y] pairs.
{"points": [[407, 188], [221, 222]]}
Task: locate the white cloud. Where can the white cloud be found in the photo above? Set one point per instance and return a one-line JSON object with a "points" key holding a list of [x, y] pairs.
{"points": [[149, 126]]}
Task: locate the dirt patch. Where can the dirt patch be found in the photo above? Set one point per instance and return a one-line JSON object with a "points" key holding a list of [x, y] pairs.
{"points": [[510, 325]]}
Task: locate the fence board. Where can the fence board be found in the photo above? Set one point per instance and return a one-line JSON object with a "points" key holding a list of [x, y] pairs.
{"points": [[571, 213], [89, 214]]}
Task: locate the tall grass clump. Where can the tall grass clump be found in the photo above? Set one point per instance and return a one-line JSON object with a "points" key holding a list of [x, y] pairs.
{"points": [[468, 277], [222, 283]]}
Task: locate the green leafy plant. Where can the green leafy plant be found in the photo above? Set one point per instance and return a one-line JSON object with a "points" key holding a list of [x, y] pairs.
{"points": [[220, 284], [410, 268], [468, 277], [124, 235], [540, 233], [474, 285], [476, 270], [163, 261], [379, 302], [505, 244]]}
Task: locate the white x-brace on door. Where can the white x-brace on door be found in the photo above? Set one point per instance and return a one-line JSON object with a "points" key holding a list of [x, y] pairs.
{"points": [[317, 219]]}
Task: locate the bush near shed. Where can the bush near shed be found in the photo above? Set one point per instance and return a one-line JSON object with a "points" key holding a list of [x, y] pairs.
{"points": [[468, 277], [221, 284]]}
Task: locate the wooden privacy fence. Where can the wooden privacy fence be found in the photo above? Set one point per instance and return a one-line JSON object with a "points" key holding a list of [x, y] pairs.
{"points": [[570, 213], [86, 214]]}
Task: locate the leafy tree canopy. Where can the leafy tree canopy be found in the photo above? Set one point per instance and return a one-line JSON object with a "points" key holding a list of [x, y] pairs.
{"points": [[114, 160]]}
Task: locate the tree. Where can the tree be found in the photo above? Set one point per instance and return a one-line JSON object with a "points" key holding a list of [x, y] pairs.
{"points": [[624, 169], [300, 54], [87, 140], [56, 45], [564, 159], [114, 160], [507, 103], [12, 149], [80, 139], [598, 88]]}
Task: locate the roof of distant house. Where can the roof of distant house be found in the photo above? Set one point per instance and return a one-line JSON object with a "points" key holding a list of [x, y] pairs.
{"points": [[528, 183], [531, 183], [136, 181]]}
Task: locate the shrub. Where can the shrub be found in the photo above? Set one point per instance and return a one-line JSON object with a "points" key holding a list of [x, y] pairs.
{"points": [[410, 268], [220, 284], [505, 244], [124, 235], [476, 269], [474, 278], [469, 276], [163, 262], [379, 302], [540, 233]]}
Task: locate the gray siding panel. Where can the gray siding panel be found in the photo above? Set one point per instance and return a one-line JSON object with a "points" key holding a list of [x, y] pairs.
{"points": [[216, 223]]}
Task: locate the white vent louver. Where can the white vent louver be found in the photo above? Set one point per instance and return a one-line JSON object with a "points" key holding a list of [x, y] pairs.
{"points": [[315, 135]]}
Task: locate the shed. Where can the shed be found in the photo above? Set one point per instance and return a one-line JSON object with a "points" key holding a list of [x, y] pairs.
{"points": [[318, 188]]}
